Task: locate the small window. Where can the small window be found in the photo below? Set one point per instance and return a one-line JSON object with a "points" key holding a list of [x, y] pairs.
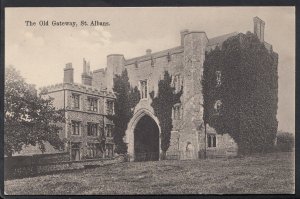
{"points": [[177, 112], [218, 107], [177, 82], [144, 89], [76, 101], [109, 150], [109, 107], [75, 151], [208, 141], [92, 129], [109, 130], [75, 128], [152, 62], [92, 104], [91, 150], [214, 141], [218, 74], [211, 141]]}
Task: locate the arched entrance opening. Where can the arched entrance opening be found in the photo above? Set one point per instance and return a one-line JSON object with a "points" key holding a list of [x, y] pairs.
{"points": [[146, 140]]}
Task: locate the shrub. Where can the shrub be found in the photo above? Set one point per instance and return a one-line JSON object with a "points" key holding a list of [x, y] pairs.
{"points": [[285, 141]]}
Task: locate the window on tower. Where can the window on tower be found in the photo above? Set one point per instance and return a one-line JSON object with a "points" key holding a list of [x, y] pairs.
{"points": [[177, 82], [144, 89], [218, 107], [177, 112], [219, 75]]}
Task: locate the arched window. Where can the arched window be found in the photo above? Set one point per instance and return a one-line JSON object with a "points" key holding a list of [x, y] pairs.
{"points": [[189, 146], [218, 106]]}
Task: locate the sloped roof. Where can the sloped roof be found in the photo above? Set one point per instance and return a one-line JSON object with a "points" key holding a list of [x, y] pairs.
{"points": [[220, 39]]}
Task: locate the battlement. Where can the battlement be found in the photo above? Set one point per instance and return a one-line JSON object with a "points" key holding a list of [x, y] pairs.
{"points": [[78, 87], [101, 70], [149, 56]]}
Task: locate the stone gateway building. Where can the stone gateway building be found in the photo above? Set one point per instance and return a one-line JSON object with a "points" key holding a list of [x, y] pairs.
{"points": [[185, 64]]}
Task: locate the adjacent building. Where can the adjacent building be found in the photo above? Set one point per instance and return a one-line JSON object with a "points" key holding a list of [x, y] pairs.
{"points": [[87, 131]]}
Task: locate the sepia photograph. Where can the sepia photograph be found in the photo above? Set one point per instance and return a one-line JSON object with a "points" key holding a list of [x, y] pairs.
{"points": [[149, 100]]}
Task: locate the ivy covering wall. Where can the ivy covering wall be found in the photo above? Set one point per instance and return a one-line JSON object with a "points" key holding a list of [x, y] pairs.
{"points": [[248, 92], [126, 99], [163, 104]]}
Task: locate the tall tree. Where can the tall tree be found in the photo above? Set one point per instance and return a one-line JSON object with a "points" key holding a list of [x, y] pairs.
{"points": [[162, 105], [29, 119], [127, 99], [248, 92]]}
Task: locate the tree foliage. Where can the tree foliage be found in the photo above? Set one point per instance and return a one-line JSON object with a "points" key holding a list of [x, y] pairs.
{"points": [[285, 141], [29, 118], [162, 105], [248, 92], [127, 99]]}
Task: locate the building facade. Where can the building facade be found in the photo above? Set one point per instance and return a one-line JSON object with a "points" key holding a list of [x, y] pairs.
{"points": [[189, 137], [87, 131]]}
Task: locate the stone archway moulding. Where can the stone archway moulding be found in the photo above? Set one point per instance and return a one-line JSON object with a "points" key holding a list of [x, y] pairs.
{"points": [[129, 134]]}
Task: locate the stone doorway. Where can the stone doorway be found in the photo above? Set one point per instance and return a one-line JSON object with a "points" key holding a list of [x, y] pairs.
{"points": [[146, 140]]}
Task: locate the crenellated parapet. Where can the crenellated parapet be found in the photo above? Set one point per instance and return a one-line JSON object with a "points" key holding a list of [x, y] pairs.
{"points": [[78, 88], [149, 55]]}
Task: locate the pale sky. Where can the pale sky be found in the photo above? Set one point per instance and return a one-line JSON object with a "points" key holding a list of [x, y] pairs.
{"points": [[40, 53]]}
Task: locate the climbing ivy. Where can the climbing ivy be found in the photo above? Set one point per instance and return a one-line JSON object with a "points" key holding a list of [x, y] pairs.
{"points": [[248, 92], [126, 99], [162, 105]]}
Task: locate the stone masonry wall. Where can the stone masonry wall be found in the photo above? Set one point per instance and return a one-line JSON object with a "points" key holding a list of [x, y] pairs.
{"points": [[185, 60]]}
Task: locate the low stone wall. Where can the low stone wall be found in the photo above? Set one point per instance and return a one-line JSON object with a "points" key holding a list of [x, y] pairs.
{"points": [[210, 153], [12, 171]]}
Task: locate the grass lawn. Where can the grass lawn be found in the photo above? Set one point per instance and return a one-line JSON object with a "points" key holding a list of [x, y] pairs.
{"points": [[270, 173]]}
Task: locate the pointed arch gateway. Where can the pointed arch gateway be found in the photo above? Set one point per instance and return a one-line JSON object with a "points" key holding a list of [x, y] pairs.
{"points": [[143, 136]]}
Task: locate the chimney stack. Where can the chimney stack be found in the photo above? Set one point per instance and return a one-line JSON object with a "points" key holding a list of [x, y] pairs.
{"points": [[88, 68], [259, 28], [86, 77], [68, 73], [148, 52], [182, 34]]}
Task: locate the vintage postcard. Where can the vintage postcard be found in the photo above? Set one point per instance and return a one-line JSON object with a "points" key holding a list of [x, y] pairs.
{"points": [[149, 100]]}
